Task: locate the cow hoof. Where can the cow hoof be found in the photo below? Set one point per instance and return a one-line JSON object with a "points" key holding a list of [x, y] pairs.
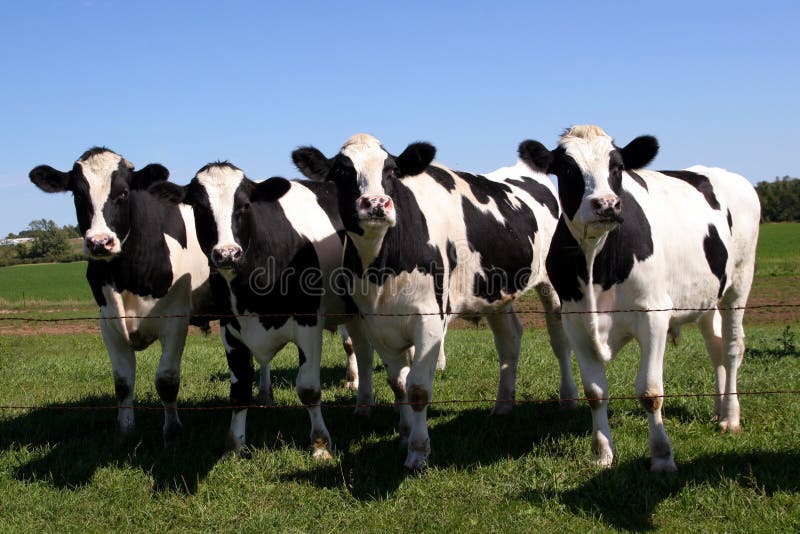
{"points": [[172, 435], [663, 465], [727, 427], [122, 435], [416, 463], [321, 448], [352, 385], [503, 407], [604, 459]]}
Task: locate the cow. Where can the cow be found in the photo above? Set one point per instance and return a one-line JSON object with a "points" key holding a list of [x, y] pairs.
{"points": [[146, 271], [425, 243], [275, 245], [638, 253]]}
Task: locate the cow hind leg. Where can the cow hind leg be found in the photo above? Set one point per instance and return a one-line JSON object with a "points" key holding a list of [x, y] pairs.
{"points": [[351, 377], [568, 391], [733, 353], [507, 331], [711, 328], [307, 385]]}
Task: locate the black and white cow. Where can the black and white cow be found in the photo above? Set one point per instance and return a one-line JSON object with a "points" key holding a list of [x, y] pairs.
{"points": [[673, 246], [275, 245], [426, 242], [146, 270]]}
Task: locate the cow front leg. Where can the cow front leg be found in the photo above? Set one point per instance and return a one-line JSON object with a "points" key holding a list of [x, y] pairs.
{"points": [[123, 367], [419, 392], [309, 342], [507, 331], [568, 391], [650, 390], [240, 365], [266, 395], [362, 349], [168, 377], [351, 375]]}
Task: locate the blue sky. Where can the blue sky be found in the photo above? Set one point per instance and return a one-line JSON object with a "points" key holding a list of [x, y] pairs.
{"points": [[184, 83]]}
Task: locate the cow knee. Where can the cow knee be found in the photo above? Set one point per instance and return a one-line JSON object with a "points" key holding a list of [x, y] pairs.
{"points": [[398, 387], [309, 396], [651, 401], [594, 396], [167, 386], [122, 388], [418, 397]]}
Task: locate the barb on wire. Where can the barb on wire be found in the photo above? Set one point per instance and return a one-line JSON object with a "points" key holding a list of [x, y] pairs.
{"points": [[393, 404], [212, 317]]}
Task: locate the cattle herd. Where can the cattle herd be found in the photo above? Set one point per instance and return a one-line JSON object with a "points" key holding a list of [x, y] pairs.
{"points": [[388, 248]]}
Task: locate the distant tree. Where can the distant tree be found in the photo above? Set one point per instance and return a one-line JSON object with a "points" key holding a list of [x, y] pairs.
{"points": [[49, 241], [71, 231], [780, 199]]}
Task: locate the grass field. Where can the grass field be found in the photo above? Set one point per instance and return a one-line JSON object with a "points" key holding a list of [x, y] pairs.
{"points": [[530, 471]]}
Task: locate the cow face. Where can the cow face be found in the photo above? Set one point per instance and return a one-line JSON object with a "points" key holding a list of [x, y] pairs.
{"points": [[589, 168], [101, 182], [220, 196], [365, 173]]}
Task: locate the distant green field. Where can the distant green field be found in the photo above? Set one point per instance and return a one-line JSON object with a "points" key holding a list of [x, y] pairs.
{"points": [[779, 250], [44, 282]]}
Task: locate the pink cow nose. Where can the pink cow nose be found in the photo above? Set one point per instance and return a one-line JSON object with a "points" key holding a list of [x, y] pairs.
{"points": [[100, 244], [375, 206], [227, 256], [608, 207]]}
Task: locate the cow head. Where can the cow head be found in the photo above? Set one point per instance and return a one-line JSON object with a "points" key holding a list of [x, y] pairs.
{"points": [[101, 182], [365, 173], [589, 168]]}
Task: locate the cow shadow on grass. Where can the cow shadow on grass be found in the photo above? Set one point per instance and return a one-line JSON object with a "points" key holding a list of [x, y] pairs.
{"points": [[370, 462], [284, 377], [66, 444], [627, 495]]}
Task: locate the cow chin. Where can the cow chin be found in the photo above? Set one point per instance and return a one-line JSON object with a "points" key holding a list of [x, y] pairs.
{"points": [[377, 223]]}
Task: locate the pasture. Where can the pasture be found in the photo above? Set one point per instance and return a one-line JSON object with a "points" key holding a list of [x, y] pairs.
{"points": [[529, 471]]}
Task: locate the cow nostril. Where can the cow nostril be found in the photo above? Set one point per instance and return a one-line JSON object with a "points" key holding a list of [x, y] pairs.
{"points": [[365, 203], [597, 204]]}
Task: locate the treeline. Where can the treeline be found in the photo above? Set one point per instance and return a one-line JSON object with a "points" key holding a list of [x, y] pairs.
{"points": [[50, 243], [780, 200]]}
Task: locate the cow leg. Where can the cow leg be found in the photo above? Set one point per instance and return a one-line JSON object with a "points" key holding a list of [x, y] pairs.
{"points": [[507, 331], [265, 393], [123, 366], [733, 353], [441, 361], [568, 391], [595, 387], [309, 341], [240, 365], [168, 376], [351, 378], [711, 327], [419, 391], [362, 349], [650, 389], [397, 369]]}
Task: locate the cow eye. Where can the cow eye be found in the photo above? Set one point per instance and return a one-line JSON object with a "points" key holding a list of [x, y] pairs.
{"points": [[122, 197], [243, 209]]}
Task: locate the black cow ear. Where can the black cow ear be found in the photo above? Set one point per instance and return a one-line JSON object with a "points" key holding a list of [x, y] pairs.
{"points": [[168, 191], [270, 190], [149, 175], [49, 179], [535, 155], [312, 163], [415, 158], [640, 152]]}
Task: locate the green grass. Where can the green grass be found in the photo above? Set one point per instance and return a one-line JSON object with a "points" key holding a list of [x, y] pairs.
{"points": [[778, 251], [526, 472], [48, 282]]}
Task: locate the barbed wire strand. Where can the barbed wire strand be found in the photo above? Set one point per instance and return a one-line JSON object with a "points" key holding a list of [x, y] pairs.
{"points": [[393, 404], [467, 315]]}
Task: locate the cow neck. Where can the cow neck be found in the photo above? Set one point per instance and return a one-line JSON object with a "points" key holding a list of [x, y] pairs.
{"points": [[368, 244]]}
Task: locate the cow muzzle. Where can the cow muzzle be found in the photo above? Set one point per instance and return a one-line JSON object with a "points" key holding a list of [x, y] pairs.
{"points": [[226, 257], [607, 209], [101, 246], [376, 210]]}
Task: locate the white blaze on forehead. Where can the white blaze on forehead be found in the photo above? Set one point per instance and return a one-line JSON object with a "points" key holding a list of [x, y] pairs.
{"points": [[590, 147], [368, 157], [98, 170], [221, 183]]}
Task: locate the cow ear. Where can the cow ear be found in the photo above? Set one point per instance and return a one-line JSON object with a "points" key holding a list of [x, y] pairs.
{"points": [[149, 175], [312, 163], [535, 155], [270, 190], [640, 152], [415, 158], [168, 191], [49, 179]]}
